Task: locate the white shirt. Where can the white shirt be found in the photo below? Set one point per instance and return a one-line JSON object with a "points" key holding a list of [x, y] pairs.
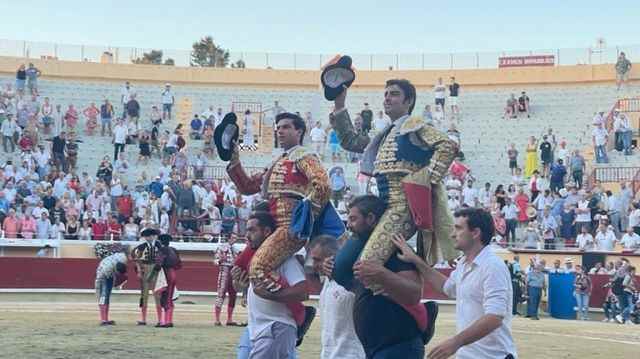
{"points": [[439, 91], [630, 241], [380, 123], [262, 312], [470, 195], [510, 211], [338, 337], [621, 124], [563, 154], [583, 217], [164, 223], [485, 197], [125, 94], [483, 287], [209, 199], [317, 134], [585, 241], [634, 218], [8, 128], [165, 201], [600, 136], [120, 134], [167, 97], [173, 140], [542, 202], [606, 240]]}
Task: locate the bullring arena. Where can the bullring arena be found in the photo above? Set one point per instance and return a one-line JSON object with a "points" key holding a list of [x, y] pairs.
{"points": [[47, 305]]}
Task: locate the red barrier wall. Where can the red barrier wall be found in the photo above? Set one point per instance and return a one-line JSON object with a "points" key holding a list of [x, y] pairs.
{"points": [[77, 273]]}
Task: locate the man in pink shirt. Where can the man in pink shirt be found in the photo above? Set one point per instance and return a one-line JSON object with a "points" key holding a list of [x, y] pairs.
{"points": [[10, 225], [27, 226]]}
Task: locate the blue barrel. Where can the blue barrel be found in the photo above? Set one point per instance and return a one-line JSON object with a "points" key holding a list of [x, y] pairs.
{"points": [[562, 303]]}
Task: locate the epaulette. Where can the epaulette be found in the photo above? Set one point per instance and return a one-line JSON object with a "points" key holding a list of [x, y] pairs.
{"points": [[412, 124], [300, 152], [431, 135]]}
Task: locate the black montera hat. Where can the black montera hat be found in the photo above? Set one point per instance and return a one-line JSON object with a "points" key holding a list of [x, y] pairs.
{"points": [[225, 134], [149, 232], [336, 77]]}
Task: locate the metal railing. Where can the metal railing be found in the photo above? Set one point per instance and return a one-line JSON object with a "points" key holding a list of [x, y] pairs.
{"points": [[214, 173], [297, 61], [615, 174]]}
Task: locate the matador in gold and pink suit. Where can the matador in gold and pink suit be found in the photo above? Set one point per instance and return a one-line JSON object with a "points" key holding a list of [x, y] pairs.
{"points": [[296, 175], [408, 159]]}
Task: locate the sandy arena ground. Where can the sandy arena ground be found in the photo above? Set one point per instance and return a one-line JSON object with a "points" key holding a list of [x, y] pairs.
{"points": [[65, 326]]}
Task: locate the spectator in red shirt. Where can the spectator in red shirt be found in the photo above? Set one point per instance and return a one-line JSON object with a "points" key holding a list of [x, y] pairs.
{"points": [[74, 184], [125, 206], [114, 229], [25, 142], [99, 229]]}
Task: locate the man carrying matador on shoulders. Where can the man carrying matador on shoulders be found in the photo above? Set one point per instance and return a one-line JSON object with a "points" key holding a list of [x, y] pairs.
{"points": [[296, 187]]}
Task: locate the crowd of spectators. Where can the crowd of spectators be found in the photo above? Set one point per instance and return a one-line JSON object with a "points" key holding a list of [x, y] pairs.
{"points": [[548, 206], [42, 196]]}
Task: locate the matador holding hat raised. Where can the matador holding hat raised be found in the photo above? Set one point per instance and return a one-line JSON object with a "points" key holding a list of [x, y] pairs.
{"points": [[408, 160]]}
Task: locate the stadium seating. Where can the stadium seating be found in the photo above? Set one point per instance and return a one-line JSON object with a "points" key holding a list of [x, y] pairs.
{"points": [[485, 135]]}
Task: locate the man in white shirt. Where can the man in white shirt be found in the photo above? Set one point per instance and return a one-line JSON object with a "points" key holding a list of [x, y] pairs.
{"points": [[630, 240], [37, 211], [481, 285], [584, 240], [470, 195], [168, 100], [605, 239], [272, 328], [338, 337], [510, 212], [543, 201], [484, 197], [583, 213], [439, 94], [318, 139], [380, 122], [600, 137], [120, 132], [125, 96], [9, 127]]}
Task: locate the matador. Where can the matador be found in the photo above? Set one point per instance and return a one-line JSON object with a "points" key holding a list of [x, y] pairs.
{"points": [[294, 176], [408, 160]]}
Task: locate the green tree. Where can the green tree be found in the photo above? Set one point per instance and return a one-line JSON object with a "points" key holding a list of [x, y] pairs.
{"points": [[239, 64], [207, 54], [154, 57]]}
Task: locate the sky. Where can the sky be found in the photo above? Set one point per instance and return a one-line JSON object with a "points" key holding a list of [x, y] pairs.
{"points": [[327, 26]]}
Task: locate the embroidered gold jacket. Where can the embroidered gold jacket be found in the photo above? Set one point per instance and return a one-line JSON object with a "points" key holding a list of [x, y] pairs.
{"points": [[296, 175]]}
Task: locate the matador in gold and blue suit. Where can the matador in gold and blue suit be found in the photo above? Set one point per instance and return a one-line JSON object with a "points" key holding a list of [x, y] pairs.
{"points": [[408, 160]]}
